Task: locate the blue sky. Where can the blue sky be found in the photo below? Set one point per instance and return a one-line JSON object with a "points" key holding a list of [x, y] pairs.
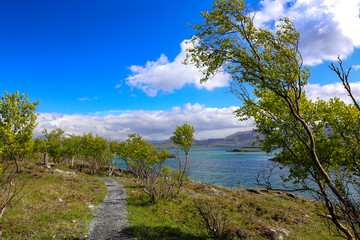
{"points": [[114, 67]]}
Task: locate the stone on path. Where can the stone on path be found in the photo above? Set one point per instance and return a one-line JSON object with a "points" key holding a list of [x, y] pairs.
{"points": [[110, 218]]}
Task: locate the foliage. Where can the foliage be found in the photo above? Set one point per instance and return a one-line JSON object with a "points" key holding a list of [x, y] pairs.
{"points": [[17, 121], [72, 147], [162, 183], [146, 163], [95, 149], [53, 144], [318, 140], [215, 214], [141, 157], [183, 136], [115, 148]]}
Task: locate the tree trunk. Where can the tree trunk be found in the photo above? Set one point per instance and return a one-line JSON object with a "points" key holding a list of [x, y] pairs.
{"points": [[111, 169], [72, 160], [46, 160]]}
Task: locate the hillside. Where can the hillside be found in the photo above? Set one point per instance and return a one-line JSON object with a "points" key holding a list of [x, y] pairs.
{"points": [[59, 204], [235, 214], [244, 138]]}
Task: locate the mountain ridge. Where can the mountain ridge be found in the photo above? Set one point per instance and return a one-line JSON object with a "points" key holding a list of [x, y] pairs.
{"points": [[242, 138]]}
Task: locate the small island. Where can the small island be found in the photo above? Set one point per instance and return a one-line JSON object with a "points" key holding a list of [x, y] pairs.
{"points": [[243, 150]]}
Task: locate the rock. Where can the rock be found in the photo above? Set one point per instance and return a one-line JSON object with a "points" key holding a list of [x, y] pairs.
{"points": [[275, 235], [292, 195], [49, 165], [92, 207], [261, 223], [285, 232], [60, 199], [272, 234], [242, 234], [208, 187], [84, 236], [253, 191], [64, 172]]}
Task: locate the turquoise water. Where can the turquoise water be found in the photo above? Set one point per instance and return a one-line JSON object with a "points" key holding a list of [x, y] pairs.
{"points": [[215, 165], [228, 169]]}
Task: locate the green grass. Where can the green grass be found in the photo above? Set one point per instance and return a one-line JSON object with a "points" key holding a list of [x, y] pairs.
{"points": [[249, 215], [52, 205], [56, 206]]}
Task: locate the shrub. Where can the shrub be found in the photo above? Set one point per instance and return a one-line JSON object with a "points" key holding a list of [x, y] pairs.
{"points": [[215, 213]]}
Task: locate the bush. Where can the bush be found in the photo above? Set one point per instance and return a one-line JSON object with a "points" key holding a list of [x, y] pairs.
{"points": [[215, 213]]}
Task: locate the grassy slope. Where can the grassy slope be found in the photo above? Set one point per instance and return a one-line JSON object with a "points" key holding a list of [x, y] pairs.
{"points": [[40, 214], [52, 205], [250, 215]]}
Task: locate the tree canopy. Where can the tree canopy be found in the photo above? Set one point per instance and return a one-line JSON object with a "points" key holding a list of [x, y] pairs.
{"points": [[317, 140], [184, 137], [17, 122]]}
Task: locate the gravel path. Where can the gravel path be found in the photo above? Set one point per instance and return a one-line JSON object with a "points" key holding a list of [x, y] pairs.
{"points": [[110, 219]]}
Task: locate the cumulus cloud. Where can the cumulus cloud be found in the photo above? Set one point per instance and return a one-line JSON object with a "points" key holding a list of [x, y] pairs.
{"points": [[356, 67], [328, 91], [327, 28], [152, 125], [164, 75]]}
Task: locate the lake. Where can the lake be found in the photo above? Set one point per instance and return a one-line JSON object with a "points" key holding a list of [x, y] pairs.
{"points": [[228, 169]]}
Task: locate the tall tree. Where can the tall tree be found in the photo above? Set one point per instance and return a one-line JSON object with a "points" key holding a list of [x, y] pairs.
{"points": [[143, 159], [17, 122], [312, 137], [140, 156], [183, 137], [72, 147], [95, 149], [53, 145]]}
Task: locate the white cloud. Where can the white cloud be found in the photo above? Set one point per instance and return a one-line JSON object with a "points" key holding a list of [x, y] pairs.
{"points": [[87, 99], [84, 99], [118, 85], [163, 75], [152, 125], [356, 67], [328, 91], [328, 28]]}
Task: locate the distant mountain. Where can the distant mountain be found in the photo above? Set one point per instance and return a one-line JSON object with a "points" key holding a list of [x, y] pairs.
{"points": [[245, 138]]}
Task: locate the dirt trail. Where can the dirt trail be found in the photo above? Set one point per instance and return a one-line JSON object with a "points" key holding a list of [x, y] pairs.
{"points": [[110, 219]]}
